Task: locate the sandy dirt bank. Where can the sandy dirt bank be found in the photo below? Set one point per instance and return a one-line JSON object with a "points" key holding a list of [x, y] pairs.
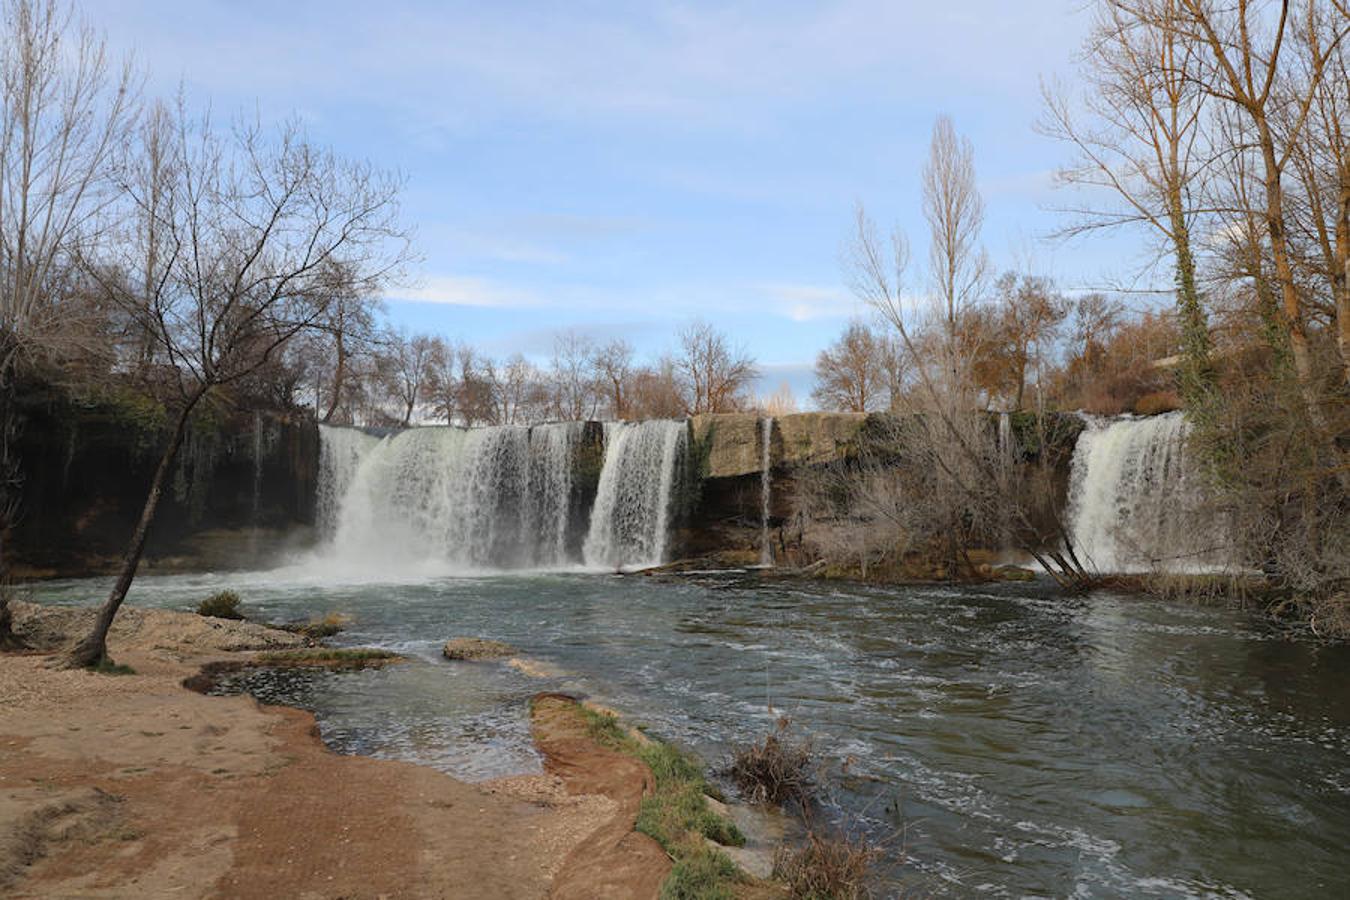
{"points": [[133, 786]]}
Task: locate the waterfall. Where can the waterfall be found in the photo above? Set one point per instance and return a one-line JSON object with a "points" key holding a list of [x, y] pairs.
{"points": [[631, 517], [765, 487], [340, 453], [486, 498], [1134, 504]]}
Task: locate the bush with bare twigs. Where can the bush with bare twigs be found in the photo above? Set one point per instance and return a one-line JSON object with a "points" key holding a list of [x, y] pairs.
{"points": [[827, 867], [777, 769]]}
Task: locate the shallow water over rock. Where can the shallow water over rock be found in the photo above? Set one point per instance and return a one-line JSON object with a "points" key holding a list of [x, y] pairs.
{"points": [[1004, 741]]}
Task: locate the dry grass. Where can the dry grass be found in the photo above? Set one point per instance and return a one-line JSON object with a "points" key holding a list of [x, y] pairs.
{"points": [[320, 627], [827, 868], [85, 815], [778, 769]]}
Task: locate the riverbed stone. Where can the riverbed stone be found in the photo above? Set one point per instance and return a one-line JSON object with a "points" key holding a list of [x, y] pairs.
{"points": [[472, 648]]}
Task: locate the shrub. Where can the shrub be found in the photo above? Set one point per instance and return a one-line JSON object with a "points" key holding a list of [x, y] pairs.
{"points": [[1156, 402], [320, 627], [827, 868], [222, 605], [777, 769]]}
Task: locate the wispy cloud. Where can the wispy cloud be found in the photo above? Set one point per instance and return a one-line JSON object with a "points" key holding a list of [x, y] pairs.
{"points": [[458, 290], [805, 302]]}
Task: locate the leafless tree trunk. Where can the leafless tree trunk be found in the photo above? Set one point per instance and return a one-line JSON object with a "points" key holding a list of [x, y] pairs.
{"points": [[257, 231], [63, 111]]}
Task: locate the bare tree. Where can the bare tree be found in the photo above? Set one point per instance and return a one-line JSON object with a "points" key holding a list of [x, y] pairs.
{"points": [[1144, 143], [252, 225], [441, 388], [406, 362], [954, 211], [64, 108], [851, 373], [954, 444], [715, 375], [573, 374], [655, 392], [1030, 313], [520, 393], [782, 402], [349, 327], [1245, 54], [614, 367]]}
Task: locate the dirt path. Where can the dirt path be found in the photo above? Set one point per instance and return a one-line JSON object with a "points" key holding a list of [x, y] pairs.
{"points": [[614, 861], [117, 786]]}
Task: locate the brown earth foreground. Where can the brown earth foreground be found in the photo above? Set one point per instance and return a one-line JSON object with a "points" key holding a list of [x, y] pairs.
{"points": [[133, 786]]}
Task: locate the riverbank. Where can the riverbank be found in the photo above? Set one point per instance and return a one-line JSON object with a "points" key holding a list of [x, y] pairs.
{"points": [[119, 785]]}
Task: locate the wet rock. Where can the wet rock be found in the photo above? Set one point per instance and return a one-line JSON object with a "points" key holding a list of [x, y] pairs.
{"points": [[469, 648]]}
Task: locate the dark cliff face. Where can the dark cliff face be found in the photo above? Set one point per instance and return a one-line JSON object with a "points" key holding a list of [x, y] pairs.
{"points": [[243, 484]]}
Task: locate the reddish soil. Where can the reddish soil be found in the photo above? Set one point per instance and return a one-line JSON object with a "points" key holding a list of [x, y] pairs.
{"points": [[121, 786]]}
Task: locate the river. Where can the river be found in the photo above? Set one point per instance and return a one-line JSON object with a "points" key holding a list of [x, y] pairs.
{"points": [[1001, 741]]}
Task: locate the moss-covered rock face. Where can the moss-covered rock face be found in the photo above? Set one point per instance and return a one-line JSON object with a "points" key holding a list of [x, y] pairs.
{"points": [[733, 442], [241, 481], [814, 438]]}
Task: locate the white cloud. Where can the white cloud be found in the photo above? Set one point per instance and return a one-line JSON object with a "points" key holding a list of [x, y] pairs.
{"points": [[459, 290], [806, 302]]}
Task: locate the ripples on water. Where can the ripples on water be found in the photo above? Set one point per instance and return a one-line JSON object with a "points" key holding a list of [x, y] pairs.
{"points": [[1005, 741]]}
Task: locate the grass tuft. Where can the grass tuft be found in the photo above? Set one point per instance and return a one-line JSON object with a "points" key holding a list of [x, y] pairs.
{"points": [[106, 666], [320, 627], [704, 874], [221, 605]]}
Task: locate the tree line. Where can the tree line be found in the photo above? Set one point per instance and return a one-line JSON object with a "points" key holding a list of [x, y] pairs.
{"points": [[357, 371]]}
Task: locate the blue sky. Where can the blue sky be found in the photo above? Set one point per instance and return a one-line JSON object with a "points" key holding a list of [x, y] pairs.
{"points": [[619, 168]]}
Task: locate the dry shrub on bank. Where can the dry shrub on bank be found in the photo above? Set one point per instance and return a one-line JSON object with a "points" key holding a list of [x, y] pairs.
{"points": [[827, 868], [221, 605], [1155, 402], [777, 769]]}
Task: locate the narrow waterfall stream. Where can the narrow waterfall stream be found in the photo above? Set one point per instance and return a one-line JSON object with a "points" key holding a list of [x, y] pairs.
{"points": [[1135, 505], [765, 488]]}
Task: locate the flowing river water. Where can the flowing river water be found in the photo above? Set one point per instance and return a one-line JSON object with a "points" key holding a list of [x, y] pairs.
{"points": [[1002, 741]]}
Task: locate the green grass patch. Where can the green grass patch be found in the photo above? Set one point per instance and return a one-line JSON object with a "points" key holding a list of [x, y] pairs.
{"points": [[676, 814], [106, 666], [703, 874]]}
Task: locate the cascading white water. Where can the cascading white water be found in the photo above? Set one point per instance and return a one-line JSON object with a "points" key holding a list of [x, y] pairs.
{"points": [[340, 452], [631, 517], [765, 488], [1134, 504], [487, 498]]}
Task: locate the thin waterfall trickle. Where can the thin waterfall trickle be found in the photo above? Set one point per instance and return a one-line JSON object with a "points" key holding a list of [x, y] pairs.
{"points": [[1135, 505], [631, 519], [257, 478], [765, 490]]}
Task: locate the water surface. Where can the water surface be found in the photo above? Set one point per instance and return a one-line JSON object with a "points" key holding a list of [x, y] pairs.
{"points": [[1005, 741]]}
